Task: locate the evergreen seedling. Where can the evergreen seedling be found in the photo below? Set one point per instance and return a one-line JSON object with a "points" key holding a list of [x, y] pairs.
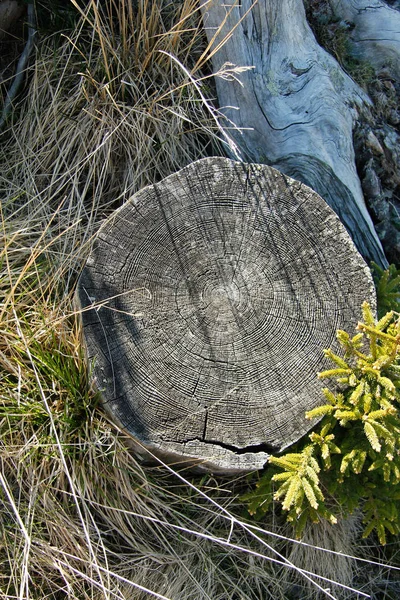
{"points": [[352, 459], [387, 283]]}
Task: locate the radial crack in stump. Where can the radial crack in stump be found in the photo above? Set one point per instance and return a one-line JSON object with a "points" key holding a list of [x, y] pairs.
{"points": [[207, 301]]}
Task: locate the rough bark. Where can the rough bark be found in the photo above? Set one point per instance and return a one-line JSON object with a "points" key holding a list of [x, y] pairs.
{"points": [[207, 302], [375, 32], [297, 107]]}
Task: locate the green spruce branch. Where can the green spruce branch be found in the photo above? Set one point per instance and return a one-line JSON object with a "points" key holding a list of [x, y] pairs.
{"points": [[352, 458]]}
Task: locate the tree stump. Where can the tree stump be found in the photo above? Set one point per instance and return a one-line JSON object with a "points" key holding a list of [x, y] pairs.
{"points": [[207, 301]]}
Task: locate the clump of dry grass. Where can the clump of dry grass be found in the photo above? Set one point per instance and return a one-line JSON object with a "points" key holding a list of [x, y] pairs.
{"points": [[117, 104], [107, 112]]}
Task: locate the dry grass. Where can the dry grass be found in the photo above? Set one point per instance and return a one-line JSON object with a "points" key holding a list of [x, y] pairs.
{"points": [[108, 112], [117, 104]]}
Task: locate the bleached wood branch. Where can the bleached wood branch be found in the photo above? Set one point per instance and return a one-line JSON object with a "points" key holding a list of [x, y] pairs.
{"points": [[375, 34], [299, 104]]}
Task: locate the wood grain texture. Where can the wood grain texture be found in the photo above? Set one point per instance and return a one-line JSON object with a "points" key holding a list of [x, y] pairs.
{"points": [[207, 302], [296, 108], [375, 32]]}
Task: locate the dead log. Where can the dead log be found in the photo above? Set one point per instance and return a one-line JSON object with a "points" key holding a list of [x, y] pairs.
{"points": [[207, 301], [374, 32], [296, 108]]}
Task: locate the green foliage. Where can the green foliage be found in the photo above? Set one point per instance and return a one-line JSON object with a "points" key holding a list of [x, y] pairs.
{"points": [[352, 459], [44, 381], [387, 283]]}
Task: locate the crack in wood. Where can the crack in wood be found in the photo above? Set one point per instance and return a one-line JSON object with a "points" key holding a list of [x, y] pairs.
{"points": [[251, 449]]}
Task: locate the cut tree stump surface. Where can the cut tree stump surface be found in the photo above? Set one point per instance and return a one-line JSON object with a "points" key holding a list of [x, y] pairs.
{"points": [[207, 301]]}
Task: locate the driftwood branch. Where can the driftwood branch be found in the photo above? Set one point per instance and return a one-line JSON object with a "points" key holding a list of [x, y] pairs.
{"points": [[299, 104], [375, 32]]}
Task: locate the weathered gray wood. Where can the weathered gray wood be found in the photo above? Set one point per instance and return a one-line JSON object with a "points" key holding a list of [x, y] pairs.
{"points": [[375, 33], [299, 104], [207, 302]]}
